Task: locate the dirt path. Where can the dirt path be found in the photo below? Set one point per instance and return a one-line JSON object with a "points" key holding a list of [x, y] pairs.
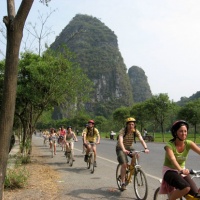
{"points": [[42, 183]]}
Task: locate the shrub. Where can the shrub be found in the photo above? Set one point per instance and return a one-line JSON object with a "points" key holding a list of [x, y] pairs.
{"points": [[16, 178]]}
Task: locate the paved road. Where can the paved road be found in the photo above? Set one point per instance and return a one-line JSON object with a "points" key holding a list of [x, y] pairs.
{"points": [[78, 183]]}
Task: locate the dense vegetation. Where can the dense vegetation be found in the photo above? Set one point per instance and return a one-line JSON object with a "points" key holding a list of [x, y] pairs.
{"points": [[97, 52]]}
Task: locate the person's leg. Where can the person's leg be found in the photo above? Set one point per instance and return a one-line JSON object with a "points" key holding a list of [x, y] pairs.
{"points": [[54, 147], [94, 148], [123, 160], [194, 190], [87, 152], [72, 149], [50, 143], [95, 151], [177, 181]]}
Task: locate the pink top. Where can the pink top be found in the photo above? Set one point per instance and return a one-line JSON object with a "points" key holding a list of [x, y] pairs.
{"points": [[63, 132]]}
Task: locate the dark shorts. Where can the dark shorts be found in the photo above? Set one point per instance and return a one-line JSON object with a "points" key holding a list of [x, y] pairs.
{"points": [[121, 156], [179, 182]]}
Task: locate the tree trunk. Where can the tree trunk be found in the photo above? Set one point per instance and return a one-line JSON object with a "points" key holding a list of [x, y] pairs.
{"points": [[15, 25]]}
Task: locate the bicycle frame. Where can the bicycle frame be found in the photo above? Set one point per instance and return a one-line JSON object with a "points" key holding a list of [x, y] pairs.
{"points": [[134, 155], [91, 158], [139, 181]]}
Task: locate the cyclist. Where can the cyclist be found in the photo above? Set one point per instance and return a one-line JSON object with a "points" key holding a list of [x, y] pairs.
{"points": [[176, 152], [91, 135], [70, 137], [45, 136], [52, 140], [124, 145], [62, 133]]}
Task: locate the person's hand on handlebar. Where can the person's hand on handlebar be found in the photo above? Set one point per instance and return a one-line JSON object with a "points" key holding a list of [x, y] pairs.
{"points": [[126, 152], [146, 150], [185, 171]]}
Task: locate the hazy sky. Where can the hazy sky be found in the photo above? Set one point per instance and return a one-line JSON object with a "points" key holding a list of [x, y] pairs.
{"points": [[160, 36]]}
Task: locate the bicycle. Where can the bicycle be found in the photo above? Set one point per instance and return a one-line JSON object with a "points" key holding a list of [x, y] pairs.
{"points": [[139, 180], [157, 196], [70, 155], [90, 160]]}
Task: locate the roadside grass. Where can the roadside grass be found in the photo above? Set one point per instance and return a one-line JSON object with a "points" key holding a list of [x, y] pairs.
{"points": [[17, 174], [158, 137]]}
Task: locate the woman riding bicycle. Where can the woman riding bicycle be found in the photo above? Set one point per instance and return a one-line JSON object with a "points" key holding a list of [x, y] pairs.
{"points": [[174, 183], [70, 137], [125, 141], [52, 140]]}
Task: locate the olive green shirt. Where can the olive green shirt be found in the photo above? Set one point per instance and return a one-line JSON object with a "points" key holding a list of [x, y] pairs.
{"points": [[180, 157]]}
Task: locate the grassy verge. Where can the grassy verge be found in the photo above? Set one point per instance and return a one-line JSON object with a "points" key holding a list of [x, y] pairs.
{"points": [[17, 175], [158, 137]]}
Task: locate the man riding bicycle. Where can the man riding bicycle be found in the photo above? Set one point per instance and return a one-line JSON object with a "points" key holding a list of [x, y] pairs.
{"points": [[90, 134], [125, 141]]}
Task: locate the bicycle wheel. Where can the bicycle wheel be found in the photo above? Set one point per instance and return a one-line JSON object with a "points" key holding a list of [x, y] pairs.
{"points": [[89, 162], [158, 196], [140, 185], [92, 162], [118, 176], [70, 159]]}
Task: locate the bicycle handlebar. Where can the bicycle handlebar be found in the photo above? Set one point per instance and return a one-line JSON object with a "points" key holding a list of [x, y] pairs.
{"points": [[195, 172], [135, 152]]}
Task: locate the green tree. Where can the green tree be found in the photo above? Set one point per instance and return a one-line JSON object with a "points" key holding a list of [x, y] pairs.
{"points": [[139, 111], [120, 114], [191, 113], [14, 23], [43, 83], [158, 108]]}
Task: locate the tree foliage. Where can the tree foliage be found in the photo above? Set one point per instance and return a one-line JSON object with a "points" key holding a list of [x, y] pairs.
{"points": [[43, 83], [158, 108], [191, 113]]}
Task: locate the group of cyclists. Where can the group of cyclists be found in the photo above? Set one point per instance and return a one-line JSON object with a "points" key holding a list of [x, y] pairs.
{"points": [[66, 138], [176, 180]]}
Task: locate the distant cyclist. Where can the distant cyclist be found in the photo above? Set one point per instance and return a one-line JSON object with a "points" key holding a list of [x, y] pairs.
{"points": [[52, 139], [91, 135], [70, 137], [125, 141], [62, 133]]}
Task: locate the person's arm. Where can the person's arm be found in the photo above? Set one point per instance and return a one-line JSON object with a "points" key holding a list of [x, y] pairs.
{"points": [[84, 137], [143, 144], [142, 141], [194, 147], [98, 138], [75, 137]]}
